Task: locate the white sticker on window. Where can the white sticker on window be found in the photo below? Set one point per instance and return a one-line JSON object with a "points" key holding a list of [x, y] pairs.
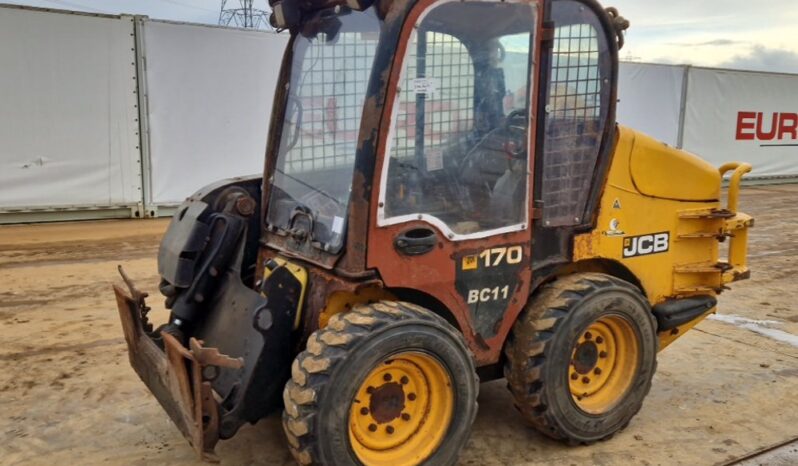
{"points": [[434, 158], [337, 224], [425, 86]]}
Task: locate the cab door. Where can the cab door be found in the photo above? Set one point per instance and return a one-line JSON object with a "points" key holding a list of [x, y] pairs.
{"points": [[450, 217]]}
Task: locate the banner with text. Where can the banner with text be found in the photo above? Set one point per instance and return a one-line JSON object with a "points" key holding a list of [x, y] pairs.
{"points": [[743, 116]]}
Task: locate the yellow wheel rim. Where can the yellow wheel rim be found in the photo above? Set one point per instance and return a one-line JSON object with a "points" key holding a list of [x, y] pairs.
{"points": [[604, 363], [402, 410]]}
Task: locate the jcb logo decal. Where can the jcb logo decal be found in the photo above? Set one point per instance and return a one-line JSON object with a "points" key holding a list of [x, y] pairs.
{"points": [[470, 263], [645, 245]]}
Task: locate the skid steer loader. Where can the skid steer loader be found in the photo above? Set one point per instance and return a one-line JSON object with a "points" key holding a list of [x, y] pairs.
{"points": [[446, 199]]}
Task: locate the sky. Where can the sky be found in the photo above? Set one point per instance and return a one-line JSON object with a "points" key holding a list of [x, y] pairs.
{"points": [[744, 34]]}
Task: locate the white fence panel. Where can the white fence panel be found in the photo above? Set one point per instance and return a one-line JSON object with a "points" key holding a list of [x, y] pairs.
{"points": [[210, 93], [68, 113], [743, 116], [650, 99]]}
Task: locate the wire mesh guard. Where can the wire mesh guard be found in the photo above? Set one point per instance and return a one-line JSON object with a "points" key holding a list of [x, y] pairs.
{"points": [[439, 82], [331, 94], [574, 124], [436, 99]]}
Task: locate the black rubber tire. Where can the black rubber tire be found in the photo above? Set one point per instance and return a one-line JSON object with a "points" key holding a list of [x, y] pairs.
{"points": [[538, 355], [325, 377]]}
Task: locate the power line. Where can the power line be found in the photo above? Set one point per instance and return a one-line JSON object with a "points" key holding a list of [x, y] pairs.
{"points": [[78, 6], [186, 5]]}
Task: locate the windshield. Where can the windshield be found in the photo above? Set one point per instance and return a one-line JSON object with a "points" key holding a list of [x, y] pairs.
{"points": [[311, 183]]}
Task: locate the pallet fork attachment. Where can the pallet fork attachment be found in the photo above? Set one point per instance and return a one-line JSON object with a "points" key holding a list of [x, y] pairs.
{"points": [[176, 375]]}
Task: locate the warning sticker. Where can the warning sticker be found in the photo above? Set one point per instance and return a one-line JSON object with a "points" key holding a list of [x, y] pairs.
{"points": [[425, 86], [434, 159], [337, 224]]}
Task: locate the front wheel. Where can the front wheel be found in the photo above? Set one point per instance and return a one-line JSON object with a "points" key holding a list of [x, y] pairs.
{"points": [[581, 358], [384, 384]]}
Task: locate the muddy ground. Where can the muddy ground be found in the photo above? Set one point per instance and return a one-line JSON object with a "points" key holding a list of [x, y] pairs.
{"points": [[68, 396]]}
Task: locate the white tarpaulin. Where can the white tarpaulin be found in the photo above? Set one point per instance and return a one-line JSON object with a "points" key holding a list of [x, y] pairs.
{"points": [[68, 115], [650, 98], [210, 94], [743, 116]]}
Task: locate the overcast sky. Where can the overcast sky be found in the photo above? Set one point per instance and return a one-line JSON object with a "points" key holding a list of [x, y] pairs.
{"points": [[759, 35]]}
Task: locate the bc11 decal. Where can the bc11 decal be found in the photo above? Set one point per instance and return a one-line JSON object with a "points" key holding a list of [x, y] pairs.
{"points": [[644, 245], [486, 280]]}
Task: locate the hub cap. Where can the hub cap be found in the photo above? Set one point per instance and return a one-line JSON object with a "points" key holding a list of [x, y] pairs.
{"points": [[402, 410], [604, 362]]}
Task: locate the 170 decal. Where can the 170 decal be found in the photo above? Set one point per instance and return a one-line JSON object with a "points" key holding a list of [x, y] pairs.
{"points": [[494, 257]]}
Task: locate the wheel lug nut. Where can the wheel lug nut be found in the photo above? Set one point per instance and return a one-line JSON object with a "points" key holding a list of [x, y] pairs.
{"points": [[404, 380], [574, 376], [588, 335], [373, 427], [603, 354], [370, 390], [389, 429], [597, 371], [405, 417], [364, 411], [599, 340], [387, 377], [585, 380], [411, 396]]}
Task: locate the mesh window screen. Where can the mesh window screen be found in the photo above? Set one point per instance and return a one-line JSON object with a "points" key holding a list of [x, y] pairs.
{"points": [[441, 65], [331, 65], [331, 95], [574, 123]]}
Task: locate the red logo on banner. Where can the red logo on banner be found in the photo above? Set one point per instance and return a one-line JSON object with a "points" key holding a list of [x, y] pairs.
{"points": [[752, 126]]}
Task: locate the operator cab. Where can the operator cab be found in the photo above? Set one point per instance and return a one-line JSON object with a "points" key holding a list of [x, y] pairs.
{"points": [[480, 117], [461, 130]]}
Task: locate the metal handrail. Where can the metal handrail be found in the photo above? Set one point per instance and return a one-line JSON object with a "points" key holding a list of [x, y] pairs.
{"points": [[740, 169]]}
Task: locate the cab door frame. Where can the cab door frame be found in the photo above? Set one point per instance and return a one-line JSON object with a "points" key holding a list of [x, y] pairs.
{"points": [[438, 274]]}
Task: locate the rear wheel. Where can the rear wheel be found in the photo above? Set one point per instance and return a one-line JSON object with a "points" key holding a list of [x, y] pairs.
{"points": [[581, 357], [384, 384]]}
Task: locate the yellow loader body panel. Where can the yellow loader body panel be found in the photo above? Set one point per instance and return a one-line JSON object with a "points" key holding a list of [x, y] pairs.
{"points": [[659, 170], [661, 217]]}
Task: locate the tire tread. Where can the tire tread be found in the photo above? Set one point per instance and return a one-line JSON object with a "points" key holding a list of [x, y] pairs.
{"points": [[313, 367], [527, 351]]}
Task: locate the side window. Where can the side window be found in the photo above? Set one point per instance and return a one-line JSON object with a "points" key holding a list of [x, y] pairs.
{"points": [[515, 64], [578, 100], [458, 145]]}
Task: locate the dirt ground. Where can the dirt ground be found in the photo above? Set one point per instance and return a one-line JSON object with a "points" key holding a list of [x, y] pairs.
{"points": [[68, 395]]}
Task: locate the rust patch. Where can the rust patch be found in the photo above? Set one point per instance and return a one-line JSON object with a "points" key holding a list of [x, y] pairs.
{"points": [[176, 375], [387, 402]]}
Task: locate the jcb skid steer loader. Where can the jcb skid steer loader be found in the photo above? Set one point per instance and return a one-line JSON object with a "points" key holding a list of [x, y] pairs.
{"points": [[446, 199]]}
